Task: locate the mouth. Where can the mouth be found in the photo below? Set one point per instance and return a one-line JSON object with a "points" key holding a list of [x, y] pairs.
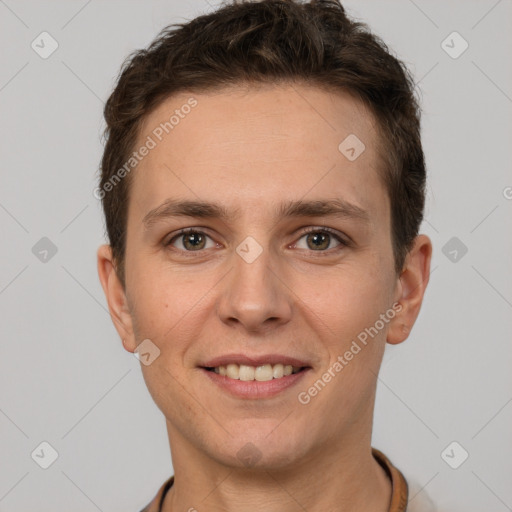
{"points": [[261, 373], [254, 377]]}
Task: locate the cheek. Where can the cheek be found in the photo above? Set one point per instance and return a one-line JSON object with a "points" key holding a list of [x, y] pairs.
{"points": [[344, 302], [346, 318], [164, 301], [165, 385]]}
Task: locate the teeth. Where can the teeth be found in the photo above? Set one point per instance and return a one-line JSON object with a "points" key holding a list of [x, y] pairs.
{"points": [[246, 372], [260, 373], [263, 373], [278, 371], [232, 371]]}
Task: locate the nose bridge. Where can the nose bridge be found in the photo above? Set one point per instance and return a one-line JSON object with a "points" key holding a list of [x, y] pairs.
{"points": [[254, 294]]}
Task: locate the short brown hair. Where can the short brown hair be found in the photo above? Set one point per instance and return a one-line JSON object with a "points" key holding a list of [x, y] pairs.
{"points": [[271, 41]]}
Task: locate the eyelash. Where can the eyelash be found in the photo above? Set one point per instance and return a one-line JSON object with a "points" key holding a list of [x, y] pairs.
{"points": [[343, 242]]}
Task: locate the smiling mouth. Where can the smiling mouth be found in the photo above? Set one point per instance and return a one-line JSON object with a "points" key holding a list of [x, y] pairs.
{"points": [[262, 373]]}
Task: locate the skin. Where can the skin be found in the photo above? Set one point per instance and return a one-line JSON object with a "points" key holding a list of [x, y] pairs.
{"points": [[251, 148]]}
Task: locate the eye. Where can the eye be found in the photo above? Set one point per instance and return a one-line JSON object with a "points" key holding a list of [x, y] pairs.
{"points": [[317, 239], [320, 239], [190, 240]]}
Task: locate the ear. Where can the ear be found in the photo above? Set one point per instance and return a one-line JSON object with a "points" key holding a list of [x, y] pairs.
{"points": [[411, 287], [116, 297]]}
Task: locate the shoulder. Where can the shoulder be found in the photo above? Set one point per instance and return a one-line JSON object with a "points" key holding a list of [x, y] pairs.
{"points": [[419, 500], [156, 502]]}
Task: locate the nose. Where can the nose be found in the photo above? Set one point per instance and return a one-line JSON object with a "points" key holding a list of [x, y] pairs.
{"points": [[254, 296]]}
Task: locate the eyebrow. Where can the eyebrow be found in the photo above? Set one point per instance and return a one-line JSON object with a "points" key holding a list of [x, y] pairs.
{"points": [[201, 209]]}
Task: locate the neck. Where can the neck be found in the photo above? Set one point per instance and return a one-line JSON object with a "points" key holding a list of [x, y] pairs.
{"points": [[342, 477]]}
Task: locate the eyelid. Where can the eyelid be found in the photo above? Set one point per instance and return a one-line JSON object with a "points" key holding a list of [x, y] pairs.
{"points": [[314, 229]]}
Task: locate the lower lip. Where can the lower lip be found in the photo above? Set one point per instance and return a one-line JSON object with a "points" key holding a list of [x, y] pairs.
{"points": [[254, 389]]}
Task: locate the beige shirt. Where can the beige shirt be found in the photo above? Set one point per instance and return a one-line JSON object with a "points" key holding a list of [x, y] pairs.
{"points": [[399, 493]]}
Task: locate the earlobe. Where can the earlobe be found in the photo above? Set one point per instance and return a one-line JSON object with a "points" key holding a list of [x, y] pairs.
{"points": [[116, 297], [411, 287]]}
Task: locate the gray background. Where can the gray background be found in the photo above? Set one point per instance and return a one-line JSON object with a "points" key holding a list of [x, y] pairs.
{"points": [[64, 376]]}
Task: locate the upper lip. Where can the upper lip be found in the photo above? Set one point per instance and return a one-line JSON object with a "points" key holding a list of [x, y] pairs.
{"points": [[253, 360]]}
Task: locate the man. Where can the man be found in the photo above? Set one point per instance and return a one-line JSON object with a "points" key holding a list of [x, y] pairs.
{"points": [[263, 184]]}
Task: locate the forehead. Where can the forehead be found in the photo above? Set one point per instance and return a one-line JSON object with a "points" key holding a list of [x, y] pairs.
{"points": [[267, 142]]}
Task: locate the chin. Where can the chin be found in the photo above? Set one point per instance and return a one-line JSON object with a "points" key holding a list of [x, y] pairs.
{"points": [[266, 449]]}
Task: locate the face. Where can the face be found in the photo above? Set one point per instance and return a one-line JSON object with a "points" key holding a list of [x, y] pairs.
{"points": [[288, 259]]}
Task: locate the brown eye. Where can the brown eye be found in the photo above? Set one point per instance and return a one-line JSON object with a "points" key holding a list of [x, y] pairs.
{"points": [[193, 241], [320, 240], [190, 241]]}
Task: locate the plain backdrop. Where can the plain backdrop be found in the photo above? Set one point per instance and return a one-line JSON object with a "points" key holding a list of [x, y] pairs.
{"points": [[65, 378]]}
